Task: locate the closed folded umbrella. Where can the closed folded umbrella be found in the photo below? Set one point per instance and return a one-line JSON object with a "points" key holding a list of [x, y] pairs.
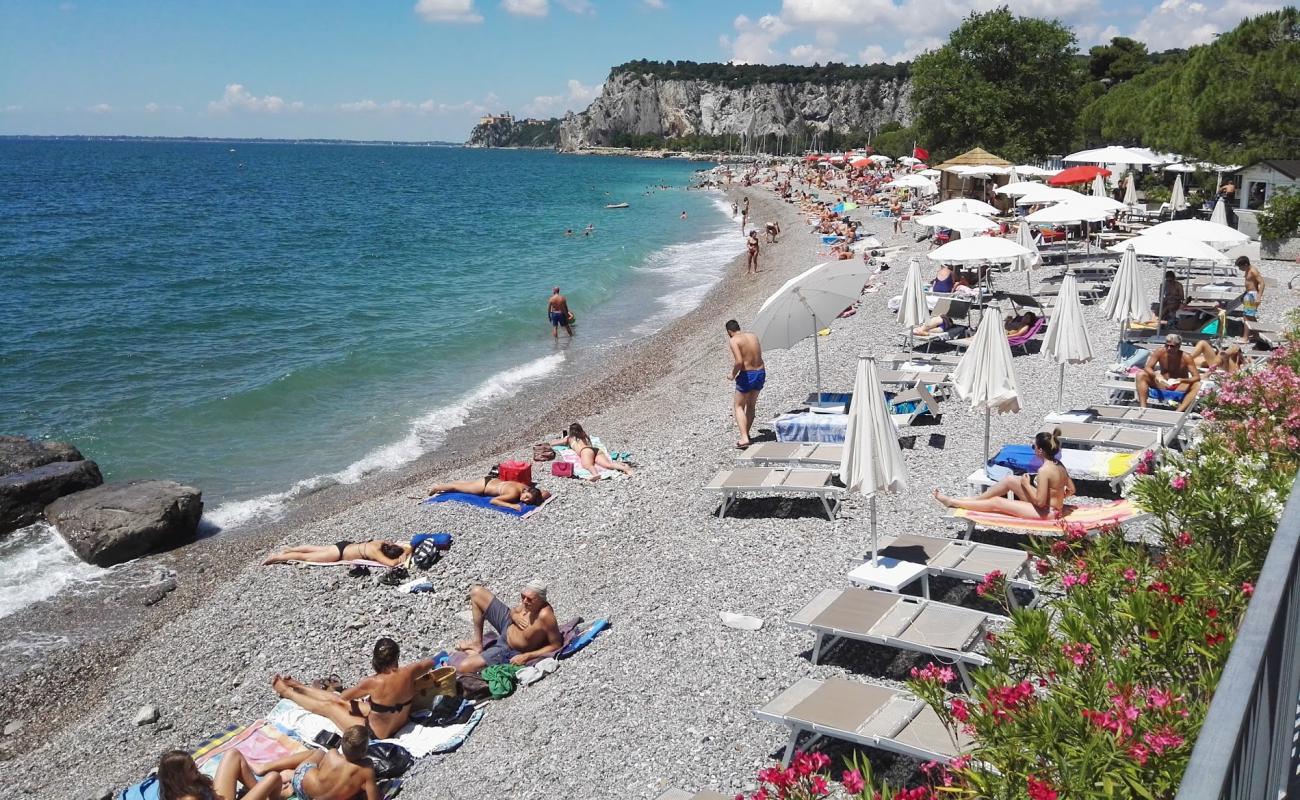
{"points": [[1127, 299], [1220, 214], [1067, 341], [1025, 238], [871, 461], [915, 309], [1098, 186], [1130, 191], [1177, 199], [985, 376], [965, 205]]}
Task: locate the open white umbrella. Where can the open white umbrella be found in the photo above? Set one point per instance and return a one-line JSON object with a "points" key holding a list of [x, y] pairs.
{"points": [[880, 159], [1043, 195], [909, 160], [985, 376], [1181, 166], [1177, 199], [871, 461], [1030, 171], [1067, 341], [1158, 245], [1211, 233], [806, 303], [978, 249], [958, 221], [1025, 238], [1098, 186], [1110, 155], [966, 205], [915, 309], [1127, 299], [1019, 188], [1071, 213], [929, 173], [1130, 191]]}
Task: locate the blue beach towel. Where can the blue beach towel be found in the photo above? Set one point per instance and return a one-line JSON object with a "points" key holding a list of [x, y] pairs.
{"points": [[1019, 458], [583, 639], [477, 500]]}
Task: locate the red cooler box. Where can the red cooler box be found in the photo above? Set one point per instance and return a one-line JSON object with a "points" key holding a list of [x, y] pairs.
{"points": [[521, 471]]}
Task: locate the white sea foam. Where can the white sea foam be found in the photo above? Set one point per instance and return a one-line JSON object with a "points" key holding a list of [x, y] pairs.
{"points": [[35, 563], [426, 434]]}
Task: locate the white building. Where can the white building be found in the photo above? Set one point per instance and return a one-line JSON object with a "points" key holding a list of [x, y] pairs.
{"points": [[1260, 181]]}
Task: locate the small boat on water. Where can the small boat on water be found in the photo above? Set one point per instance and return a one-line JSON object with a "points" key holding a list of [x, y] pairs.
{"points": [[616, 205]]}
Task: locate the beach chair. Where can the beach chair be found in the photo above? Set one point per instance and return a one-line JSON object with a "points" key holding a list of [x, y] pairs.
{"points": [[1081, 465], [927, 362], [1133, 415], [731, 484], [950, 633], [703, 794], [954, 558], [914, 378], [795, 454], [864, 714], [1109, 436], [1092, 518]]}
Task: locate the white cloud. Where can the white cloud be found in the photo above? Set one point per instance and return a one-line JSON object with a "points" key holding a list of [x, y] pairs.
{"points": [[1183, 23], [425, 107], [754, 40], [578, 97], [655, 4], [237, 98], [154, 108], [448, 11], [578, 6], [100, 108], [11, 109], [814, 54], [526, 8]]}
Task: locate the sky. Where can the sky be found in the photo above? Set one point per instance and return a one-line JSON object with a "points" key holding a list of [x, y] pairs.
{"points": [[420, 70]]}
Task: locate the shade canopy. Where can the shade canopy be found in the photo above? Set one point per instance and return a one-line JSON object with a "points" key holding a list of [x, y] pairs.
{"points": [[976, 156], [909, 160], [1110, 155], [1070, 213], [957, 221], [1029, 170], [807, 302], [1019, 188], [1068, 340], [913, 182], [1177, 198], [1072, 175], [965, 204], [1127, 299], [977, 249], [1211, 233], [1045, 195], [929, 173], [914, 309], [871, 460], [1166, 246], [1181, 166], [880, 158]]}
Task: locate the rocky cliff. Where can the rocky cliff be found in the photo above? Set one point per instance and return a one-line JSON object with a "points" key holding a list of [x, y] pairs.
{"points": [[635, 103], [507, 132]]}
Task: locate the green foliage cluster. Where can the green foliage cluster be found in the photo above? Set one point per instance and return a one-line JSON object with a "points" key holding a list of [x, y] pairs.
{"points": [[739, 75], [543, 133], [1280, 219]]}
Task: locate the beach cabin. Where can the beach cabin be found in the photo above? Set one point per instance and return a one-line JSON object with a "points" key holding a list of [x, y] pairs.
{"points": [[954, 184], [1260, 181]]}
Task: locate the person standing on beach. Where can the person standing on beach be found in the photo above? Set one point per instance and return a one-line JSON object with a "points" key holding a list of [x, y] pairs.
{"points": [[749, 373], [1252, 298], [735, 210], [557, 311], [751, 261], [744, 214]]}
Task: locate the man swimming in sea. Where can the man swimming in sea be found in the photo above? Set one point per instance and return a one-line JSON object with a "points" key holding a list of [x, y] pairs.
{"points": [[557, 311], [749, 373]]}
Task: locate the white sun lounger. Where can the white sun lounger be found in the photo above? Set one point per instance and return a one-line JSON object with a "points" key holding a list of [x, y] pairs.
{"points": [[733, 483], [864, 714], [794, 454], [1135, 416], [1115, 437], [914, 377], [703, 794], [950, 633], [955, 558]]}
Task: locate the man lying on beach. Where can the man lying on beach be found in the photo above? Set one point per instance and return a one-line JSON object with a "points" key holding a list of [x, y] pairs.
{"points": [[1180, 382], [387, 553], [387, 694], [507, 494], [526, 632], [341, 774]]}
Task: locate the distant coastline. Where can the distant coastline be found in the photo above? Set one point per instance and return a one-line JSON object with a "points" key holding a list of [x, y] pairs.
{"points": [[221, 140]]}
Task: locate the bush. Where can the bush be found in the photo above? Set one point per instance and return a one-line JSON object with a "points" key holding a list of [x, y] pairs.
{"points": [[1280, 219]]}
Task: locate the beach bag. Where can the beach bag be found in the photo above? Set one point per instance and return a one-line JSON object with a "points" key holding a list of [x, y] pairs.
{"points": [[562, 469], [520, 471], [389, 760], [426, 554], [437, 682], [543, 452]]}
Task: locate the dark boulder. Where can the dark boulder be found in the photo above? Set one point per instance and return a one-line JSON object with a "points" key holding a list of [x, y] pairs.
{"points": [[118, 522], [24, 494], [18, 454]]}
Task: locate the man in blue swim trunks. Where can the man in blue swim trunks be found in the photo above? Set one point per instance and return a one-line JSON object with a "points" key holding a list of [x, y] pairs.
{"points": [[748, 371], [557, 311], [1181, 380]]}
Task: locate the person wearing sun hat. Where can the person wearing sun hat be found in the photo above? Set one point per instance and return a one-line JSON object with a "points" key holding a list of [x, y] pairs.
{"points": [[526, 632]]}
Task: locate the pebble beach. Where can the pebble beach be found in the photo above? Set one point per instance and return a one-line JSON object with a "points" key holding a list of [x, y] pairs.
{"points": [[665, 697]]}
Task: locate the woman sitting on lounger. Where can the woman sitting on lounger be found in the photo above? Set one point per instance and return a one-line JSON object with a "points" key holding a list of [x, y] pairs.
{"points": [[1031, 499], [588, 455], [386, 553], [1019, 324], [179, 779], [507, 494]]}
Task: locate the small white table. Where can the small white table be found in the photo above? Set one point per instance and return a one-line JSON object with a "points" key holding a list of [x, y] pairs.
{"points": [[891, 575]]}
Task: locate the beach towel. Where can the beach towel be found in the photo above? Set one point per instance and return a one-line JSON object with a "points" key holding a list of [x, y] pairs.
{"points": [[583, 639], [1082, 465], [364, 562], [419, 740], [484, 502], [568, 632], [567, 454], [260, 742], [1090, 517]]}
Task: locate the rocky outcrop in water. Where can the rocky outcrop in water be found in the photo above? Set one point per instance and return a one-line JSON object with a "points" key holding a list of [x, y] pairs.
{"points": [[34, 474], [506, 131], [118, 522], [635, 104]]}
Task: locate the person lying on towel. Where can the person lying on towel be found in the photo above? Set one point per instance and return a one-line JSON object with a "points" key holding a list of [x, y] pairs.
{"points": [[339, 774], [179, 779], [380, 703], [526, 632], [387, 553], [507, 494], [1031, 499]]}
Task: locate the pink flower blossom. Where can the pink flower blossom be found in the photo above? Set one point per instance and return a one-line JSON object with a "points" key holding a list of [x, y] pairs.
{"points": [[853, 782], [1178, 483], [1039, 790], [1247, 588], [1130, 575], [1080, 653]]}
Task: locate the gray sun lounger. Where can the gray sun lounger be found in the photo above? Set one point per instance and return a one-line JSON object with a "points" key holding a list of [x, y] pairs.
{"points": [[703, 794], [1134, 415], [946, 361], [959, 559], [1114, 437], [864, 714], [794, 454], [733, 483], [914, 377], [950, 633]]}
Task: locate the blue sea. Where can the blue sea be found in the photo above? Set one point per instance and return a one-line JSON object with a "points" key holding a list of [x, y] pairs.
{"points": [[261, 320]]}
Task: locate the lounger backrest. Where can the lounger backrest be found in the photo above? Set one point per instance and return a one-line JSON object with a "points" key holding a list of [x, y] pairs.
{"points": [[915, 549], [842, 705], [1029, 334]]}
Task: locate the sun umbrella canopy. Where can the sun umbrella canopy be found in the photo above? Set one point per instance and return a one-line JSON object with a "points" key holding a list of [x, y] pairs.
{"points": [[1068, 340], [1018, 188], [929, 173], [860, 162], [1044, 195], [807, 302], [1182, 166], [977, 249], [1070, 213], [914, 309], [880, 159], [1166, 246], [1177, 199], [957, 221], [871, 460], [964, 204], [1127, 299], [1211, 233], [913, 182], [1029, 170], [984, 376], [1072, 175], [1110, 155], [909, 160]]}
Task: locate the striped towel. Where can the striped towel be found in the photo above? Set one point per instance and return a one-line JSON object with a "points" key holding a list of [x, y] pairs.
{"points": [[1090, 517]]}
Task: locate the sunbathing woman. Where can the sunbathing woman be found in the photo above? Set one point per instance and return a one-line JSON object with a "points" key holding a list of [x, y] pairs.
{"points": [[386, 553], [1032, 499], [588, 455], [179, 779], [507, 494], [1019, 324], [342, 774], [389, 691], [1229, 360], [933, 325]]}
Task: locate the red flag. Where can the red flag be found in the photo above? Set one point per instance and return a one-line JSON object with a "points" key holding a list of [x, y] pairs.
{"points": [[921, 153]]}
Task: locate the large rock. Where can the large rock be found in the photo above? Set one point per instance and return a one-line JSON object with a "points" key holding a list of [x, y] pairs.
{"points": [[39, 476], [118, 522]]}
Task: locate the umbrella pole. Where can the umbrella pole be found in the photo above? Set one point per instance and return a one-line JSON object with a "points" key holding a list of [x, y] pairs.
{"points": [[1060, 387], [875, 542], [817, 360], [986, 434]]}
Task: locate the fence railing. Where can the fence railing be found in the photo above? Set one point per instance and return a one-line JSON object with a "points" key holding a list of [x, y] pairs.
{"points": [[1247, 747]]}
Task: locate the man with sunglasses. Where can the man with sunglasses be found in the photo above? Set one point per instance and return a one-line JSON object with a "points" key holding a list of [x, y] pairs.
{"points": [[525, 633], [1177, 380]]}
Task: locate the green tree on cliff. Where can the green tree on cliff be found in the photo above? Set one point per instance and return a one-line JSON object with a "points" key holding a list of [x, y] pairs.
{"points": [[1002, 82], [1118, 61]]}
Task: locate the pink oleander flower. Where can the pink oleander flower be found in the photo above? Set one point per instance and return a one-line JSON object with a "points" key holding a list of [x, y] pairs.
{"points": [[1039, 790], [960, 711], [819, 786], [1130, 575], [852, 781], [1184, 538], [1163, 739], [1070, 580], [1178, 483], [990, 583], [1159, 698], [961, 762], [1247, 588], [1080, 653], [1139, 754], [934, 672]]}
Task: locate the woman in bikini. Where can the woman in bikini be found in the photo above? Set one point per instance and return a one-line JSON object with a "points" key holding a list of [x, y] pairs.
{"points": [[1031, 499], [588, 455], [386, 553], [179, 779], [507, 494], [381, 703]]}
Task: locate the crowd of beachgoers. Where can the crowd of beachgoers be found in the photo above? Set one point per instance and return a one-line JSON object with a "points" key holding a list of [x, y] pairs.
{"points": [[692, 607]]}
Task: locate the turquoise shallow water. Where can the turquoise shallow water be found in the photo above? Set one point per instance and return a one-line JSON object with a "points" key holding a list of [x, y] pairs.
{"points": [[249, 317]]}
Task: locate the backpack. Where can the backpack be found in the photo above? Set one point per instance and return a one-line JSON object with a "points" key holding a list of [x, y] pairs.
{"points": [[389, 760], [543, 452], [426, 554]]}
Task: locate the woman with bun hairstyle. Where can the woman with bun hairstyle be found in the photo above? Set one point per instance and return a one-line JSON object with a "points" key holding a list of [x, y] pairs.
{"points": [[1032, 496]]}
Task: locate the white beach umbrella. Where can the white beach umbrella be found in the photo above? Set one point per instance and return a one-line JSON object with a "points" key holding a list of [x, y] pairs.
{"points": [[1163, 245], [1018, 188], [1211, 233], [1012, 175], [1181, 166], [1110, 155], [1220, 214], [1103, 202], [915, 309], [1071, 213], [1043, 195], [808, 302], [1177, 199], [917, 181], [1127, 299], [957, 221], [984, 376], [871, 461], [1098, 185], [1067, 341], [1130, 191], [929, 173], [880, 159], [909, 160], [965, 205], [978, 249], [1030, 171], [1025, 238]]}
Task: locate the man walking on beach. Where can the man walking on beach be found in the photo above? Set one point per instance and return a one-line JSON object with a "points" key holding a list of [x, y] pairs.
{"points": [[749, 373], [557, 311], [1251, 299]]}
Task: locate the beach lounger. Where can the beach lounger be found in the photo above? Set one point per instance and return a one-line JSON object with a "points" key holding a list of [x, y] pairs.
{"points": [[864, 714], [1081, 465], [703, 794], [1133, 415], [956, 558], [1112, 436], [795, 454], [950, 633], [733, 483], [922, 361], [1092, 518], [914, 378]]}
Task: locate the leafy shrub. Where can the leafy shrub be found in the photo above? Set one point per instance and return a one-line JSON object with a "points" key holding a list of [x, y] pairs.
{"points": [[1280, 219]]}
